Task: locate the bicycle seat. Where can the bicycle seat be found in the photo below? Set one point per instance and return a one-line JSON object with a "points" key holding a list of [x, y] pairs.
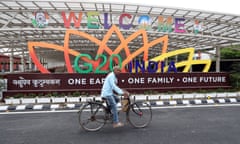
{"points": [[104, 100]]}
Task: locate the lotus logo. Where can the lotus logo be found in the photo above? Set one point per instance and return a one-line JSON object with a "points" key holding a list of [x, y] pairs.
{"points": [[122, 47]]}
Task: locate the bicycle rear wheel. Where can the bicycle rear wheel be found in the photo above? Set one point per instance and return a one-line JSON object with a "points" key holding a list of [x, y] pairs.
{"points": [[92, 116], [139, 114]]}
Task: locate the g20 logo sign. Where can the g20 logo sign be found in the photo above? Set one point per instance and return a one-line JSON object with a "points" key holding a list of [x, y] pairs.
{"points": [[99, 67], [128, 63], [151, 67]]}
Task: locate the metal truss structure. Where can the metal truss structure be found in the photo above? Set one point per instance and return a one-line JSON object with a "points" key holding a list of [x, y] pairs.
{"points": [[218, 30]]}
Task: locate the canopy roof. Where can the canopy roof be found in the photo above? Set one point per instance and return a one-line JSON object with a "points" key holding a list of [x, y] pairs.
{"points": [[16, 29]]}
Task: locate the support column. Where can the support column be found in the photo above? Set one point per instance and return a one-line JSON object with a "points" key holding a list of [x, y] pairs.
{"points": [[218, 59], [30, 63], [11, 61], [23, 62]]}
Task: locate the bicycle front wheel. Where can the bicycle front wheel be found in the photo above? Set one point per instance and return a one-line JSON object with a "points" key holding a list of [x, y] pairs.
{"points": [[139, 114], [92, 116]]}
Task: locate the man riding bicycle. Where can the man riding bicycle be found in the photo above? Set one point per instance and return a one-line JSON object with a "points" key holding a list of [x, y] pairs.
{"points": [[109, 86]]}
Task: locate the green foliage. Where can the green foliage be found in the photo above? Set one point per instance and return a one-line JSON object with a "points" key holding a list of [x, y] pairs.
{"points": [[230, 52], [2, 83], [18, 95], [235, 80], [235, 67], [31, 95], [233, 52], [85, 94], [62, 94], [76, 94], [40, 95], [48, 94]]}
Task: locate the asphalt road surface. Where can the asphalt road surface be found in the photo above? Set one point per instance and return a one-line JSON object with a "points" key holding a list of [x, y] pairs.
{"points": [[189, 125]]}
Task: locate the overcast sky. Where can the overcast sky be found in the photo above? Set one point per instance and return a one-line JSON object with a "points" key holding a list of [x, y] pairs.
{"points": [[220, 6]]}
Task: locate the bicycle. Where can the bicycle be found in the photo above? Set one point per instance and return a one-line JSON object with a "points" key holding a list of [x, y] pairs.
{"points": [[94, 114]]}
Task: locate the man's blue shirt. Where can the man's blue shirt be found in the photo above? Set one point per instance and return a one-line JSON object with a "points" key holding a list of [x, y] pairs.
{"points": [[110, 85]]}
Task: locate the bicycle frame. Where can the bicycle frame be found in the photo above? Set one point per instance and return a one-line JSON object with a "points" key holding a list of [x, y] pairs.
{"points": [[107, 110], [100, 112]]}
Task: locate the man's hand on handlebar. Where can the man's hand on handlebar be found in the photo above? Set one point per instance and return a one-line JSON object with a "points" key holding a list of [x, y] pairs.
{"points": [[126, 94]]}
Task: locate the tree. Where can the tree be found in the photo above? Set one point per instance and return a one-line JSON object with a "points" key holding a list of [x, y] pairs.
{"points": [[230, 53], [234, 65]]}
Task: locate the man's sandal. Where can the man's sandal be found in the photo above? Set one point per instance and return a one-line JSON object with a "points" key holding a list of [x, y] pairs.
{"points": [[119, 124]]}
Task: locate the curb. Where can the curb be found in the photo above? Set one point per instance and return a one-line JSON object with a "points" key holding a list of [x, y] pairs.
{"points": [[157, 97], [72, 106]]}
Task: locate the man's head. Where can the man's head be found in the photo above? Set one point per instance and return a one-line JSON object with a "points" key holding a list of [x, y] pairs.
{"points": [[116, 70]]}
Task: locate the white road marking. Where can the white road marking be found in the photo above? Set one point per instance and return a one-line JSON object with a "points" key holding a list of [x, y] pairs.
{"points": [[172, 102], [54, 106], [160, 103], [21, 107], [3, 108], [210, 101], [37, 107], [70, 105], [233, 100], [186, 102], [221, 100], [197, 101]]}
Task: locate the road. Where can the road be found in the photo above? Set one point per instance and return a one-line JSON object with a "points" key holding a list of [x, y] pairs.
{"points": [[170, 125]]}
